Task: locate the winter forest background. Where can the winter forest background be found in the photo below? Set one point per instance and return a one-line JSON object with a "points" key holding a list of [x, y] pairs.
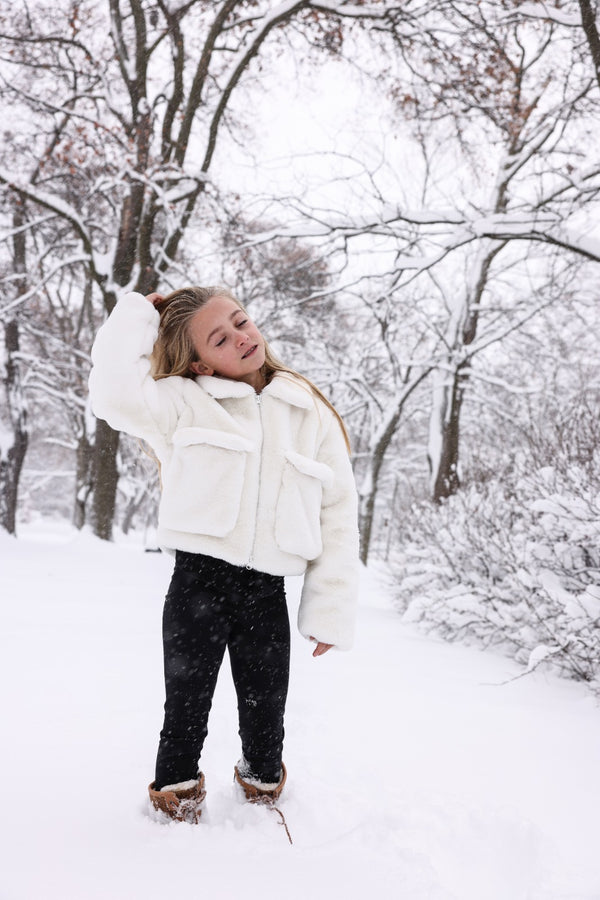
{"points": [[406, 198]]}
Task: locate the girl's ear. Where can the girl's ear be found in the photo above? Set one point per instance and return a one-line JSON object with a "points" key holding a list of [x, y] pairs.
{"points": [[199, 368]]}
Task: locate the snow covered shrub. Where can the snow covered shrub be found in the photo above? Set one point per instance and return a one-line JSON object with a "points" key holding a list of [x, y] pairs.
{"points": [[513, 563]]}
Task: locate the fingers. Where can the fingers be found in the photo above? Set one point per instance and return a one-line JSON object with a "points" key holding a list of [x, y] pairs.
{"points": [[321, 648]]}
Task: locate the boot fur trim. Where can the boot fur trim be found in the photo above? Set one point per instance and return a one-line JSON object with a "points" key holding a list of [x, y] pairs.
{"points": [[183, 804], [256, 794], [180, 786]]}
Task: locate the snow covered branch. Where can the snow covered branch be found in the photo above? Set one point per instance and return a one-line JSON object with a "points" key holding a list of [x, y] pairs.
{"points": [[55, 204]]}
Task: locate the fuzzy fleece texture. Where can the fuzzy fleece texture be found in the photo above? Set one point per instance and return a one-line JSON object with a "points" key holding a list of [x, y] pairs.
{"points": [[180, 786], [258, 480], [246, 773]]}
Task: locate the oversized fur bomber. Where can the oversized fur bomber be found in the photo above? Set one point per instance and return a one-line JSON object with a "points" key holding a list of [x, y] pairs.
{"points": [[259, 480]]}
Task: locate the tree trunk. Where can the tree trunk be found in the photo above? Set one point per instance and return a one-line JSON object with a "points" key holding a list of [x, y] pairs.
{"points": [[105, 477], [445, 422], [84, 459], [365, 520], [452, 378], [132, 508], [379, 444], [588, 21], [14, 443]]}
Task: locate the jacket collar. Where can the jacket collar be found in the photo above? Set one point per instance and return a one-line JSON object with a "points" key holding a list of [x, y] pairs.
{"points": [[283, 387]]}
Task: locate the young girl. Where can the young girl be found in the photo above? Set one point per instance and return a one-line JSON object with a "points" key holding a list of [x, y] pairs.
{"points": [[256, 485]]}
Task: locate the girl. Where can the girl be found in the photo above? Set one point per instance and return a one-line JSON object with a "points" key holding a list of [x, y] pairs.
{"points": [[256, 485]]}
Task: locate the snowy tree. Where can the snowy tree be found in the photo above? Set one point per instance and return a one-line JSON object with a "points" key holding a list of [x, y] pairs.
{"points": [[129, 100], [497, 101], [443, 250], [14, 433], [537, 110], [58, 328]]}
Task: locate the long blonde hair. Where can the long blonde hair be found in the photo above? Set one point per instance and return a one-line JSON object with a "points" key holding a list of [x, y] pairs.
{"points": [[174, 352]]}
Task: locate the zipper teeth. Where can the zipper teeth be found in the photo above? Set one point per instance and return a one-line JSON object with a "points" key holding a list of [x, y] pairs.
{"points": [[250, 563]]}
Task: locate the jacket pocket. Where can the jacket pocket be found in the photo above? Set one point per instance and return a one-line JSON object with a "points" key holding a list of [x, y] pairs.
{"points": [[203, 482], [298, 512]]}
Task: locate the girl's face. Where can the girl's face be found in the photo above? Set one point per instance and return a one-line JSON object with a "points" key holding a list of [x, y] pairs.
{"points": [[227, 342]]}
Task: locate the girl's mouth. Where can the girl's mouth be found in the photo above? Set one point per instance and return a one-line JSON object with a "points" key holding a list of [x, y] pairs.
{"points": [[249, 352]]}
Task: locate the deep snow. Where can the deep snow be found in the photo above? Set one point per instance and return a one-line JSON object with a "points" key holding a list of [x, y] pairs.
{"points": [[413, 773]]}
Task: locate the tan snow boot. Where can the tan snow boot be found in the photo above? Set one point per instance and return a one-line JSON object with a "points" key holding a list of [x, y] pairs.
{"points": [[180, 804], [255, 793]]}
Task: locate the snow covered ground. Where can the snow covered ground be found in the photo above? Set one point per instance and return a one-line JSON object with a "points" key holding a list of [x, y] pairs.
{"points": [[412, 773]]}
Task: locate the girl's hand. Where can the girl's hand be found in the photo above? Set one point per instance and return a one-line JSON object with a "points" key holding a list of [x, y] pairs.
{"points": [[321, 648], [154, 298]]}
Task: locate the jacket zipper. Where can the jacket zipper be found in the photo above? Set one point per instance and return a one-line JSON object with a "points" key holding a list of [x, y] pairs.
{"points": [[250, 563]]}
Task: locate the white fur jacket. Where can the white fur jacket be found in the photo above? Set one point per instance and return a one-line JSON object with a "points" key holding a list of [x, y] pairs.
{"points": [[262, 480]]}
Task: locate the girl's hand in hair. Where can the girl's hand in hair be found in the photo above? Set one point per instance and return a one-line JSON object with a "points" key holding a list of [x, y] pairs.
{"points": [[321, 648], [155, 298]]}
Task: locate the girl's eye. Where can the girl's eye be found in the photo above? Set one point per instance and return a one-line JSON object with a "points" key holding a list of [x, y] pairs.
{"points": [[219, 343], [240, 323]]}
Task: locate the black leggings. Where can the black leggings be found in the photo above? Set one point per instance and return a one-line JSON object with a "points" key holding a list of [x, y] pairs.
{"points": [[211, 605]]}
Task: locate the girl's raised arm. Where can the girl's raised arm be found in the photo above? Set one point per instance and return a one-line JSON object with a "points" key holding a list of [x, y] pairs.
{"points": [[122, 389]]}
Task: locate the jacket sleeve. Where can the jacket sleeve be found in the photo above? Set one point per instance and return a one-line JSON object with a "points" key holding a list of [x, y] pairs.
{"points": [[122, 390], [329, 596]]}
